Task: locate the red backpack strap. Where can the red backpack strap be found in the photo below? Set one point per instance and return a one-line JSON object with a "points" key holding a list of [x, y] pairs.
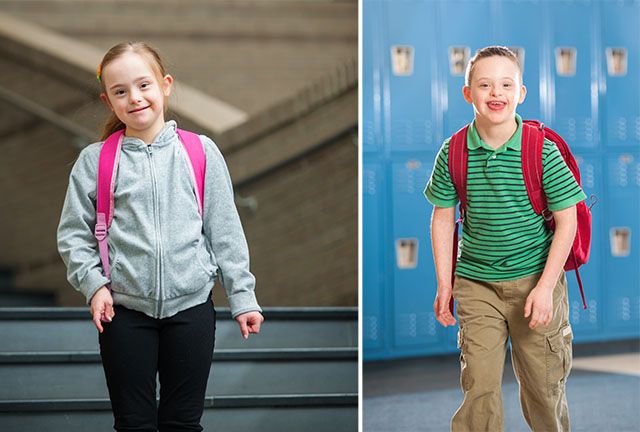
{"points": [[458, 158], [532, 143], [196, 162]]}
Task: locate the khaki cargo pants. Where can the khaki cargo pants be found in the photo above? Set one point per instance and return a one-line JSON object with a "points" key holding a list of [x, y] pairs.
{"points": [[490, 312]]}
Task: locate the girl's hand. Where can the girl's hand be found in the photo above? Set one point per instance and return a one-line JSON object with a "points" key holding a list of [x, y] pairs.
{"points": [[540, 306], [250, 322], [102, 305]]}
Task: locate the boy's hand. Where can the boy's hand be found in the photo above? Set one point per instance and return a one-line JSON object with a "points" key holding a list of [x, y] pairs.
{"points": [[539, 306], [441, 307], [102, 305], [250, 322]]}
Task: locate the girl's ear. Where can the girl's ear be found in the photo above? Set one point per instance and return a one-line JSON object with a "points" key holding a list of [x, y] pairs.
{"points": [[166, 85], [105, 99], [466, 91]]}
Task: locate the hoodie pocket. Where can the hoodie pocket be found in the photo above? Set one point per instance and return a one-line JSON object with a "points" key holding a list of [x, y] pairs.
{"points": [[134, 280], [186, 271]]}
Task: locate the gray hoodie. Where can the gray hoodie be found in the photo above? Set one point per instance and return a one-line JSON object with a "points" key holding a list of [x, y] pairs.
{"points": [[164, 256]]}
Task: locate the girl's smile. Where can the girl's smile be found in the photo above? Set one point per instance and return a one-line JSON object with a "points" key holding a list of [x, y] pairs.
{"points": [[136, 94]]}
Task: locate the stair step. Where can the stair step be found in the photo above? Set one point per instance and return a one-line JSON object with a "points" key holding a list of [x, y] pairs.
{"points": [[266, 413], [71, 329], [233, 372]]}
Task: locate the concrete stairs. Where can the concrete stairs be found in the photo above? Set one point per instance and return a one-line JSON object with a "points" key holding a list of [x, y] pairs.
{"points": [[300, 372]]}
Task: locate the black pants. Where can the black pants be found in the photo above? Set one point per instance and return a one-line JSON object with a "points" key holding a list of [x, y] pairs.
{"points": [[134, 347]]}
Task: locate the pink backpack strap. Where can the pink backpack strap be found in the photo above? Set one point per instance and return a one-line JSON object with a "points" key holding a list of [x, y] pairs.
{"points": [[196, 162], [107, 168], [458, 159]]}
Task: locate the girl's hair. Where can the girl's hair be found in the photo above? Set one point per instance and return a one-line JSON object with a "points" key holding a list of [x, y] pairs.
{"points": [[145, 51], [491, 51]]}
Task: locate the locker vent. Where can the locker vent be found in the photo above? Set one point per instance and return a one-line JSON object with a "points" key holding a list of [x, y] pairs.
{"points": [[407, 253], [370, 328], [617, 61], [402, 60], [620, 238], [566, 58], [458, 59]]}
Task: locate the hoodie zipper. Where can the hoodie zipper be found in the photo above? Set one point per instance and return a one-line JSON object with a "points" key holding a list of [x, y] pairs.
{"points": [[156, 217]]}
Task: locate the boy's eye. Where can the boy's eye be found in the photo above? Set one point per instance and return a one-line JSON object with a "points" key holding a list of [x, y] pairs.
{"points": [[507, 85], [144, 85]]}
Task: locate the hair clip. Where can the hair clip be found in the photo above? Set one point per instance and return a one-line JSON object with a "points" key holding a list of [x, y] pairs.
{"points": [[98, 75]]}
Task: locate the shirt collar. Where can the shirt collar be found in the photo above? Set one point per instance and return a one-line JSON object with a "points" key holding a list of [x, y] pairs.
{"points": [[514, 143]]}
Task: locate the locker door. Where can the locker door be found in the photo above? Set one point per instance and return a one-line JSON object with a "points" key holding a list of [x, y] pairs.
{"points": [[371, 79], [573, 98], [587, 323], [414, 282], [621, 66], [524, 35], [622, 266], [410, 76], [373, 283], [464, 28]]}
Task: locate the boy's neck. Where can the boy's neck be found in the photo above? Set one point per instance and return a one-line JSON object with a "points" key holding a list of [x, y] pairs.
{"points": [[496, 135]]}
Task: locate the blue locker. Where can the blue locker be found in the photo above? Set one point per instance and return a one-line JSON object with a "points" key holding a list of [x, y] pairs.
{"points": [[409, 93], [371, 76], [587, 323], [573, 99], [373, 274], [620, 34], [526, 35], [622, 278], [462, 24]]}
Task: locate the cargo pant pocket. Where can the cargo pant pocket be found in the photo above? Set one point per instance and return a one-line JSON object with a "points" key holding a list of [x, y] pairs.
{"points": [[558, 359], [464, 373]]}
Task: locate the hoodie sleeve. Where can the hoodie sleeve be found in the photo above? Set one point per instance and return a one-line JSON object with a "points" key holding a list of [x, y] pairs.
{"points": [[223, 229], [76, 242]]}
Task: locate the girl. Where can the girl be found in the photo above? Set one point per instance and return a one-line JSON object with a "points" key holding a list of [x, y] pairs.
{"points": [[165, 257]]}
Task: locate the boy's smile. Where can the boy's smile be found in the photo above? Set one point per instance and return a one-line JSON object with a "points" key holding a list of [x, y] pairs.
{"points": [[495, 91]]}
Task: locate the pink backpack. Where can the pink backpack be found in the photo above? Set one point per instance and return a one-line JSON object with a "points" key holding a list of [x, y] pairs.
{"points": [[107, 169], [533, 135]]}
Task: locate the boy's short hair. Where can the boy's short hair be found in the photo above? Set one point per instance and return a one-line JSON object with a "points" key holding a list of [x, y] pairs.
{"points": [[491, 51]]}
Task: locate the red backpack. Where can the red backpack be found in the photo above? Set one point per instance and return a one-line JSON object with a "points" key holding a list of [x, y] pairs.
{"points": [[533, 135], [107, 169]]}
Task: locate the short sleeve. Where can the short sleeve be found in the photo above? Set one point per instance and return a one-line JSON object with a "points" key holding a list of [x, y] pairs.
{"points": [[440, 190], [559, 184]]}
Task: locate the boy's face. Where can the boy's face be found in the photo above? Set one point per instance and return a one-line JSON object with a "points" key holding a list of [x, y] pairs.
{"points": [[495, 90]]}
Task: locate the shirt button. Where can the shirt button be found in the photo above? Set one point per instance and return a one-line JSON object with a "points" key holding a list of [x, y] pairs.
{"points": [[493, 157]]}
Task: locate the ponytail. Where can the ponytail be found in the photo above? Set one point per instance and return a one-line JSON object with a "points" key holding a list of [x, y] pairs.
{"points": [[112, 125]]}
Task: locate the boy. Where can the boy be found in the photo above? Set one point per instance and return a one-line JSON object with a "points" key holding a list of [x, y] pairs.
{"points": [[509, 276]]}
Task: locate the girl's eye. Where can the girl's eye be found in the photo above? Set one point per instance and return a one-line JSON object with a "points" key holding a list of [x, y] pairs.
{"points": [[119, 92], [484, 85], [144, 85]]}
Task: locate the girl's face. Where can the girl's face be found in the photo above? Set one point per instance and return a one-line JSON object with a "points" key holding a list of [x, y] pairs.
{"points": [[495, 90], [134, 93]]}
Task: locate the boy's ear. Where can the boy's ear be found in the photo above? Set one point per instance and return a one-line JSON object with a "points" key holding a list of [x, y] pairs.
{"points": [[466, 91], [523, 94], [105, 99], [166, 85]]}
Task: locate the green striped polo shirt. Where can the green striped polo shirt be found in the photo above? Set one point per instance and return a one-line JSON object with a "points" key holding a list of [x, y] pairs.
{"points": [[502, 237]]}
